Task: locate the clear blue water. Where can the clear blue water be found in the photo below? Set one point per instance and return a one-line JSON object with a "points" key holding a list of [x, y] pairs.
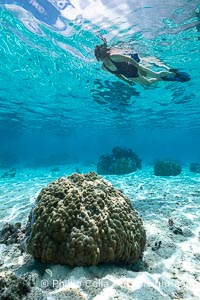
{"points": [[58, 106], [59, 111]]}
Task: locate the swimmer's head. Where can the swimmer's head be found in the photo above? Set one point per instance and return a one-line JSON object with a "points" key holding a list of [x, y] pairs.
{"points": [[101, 51]]}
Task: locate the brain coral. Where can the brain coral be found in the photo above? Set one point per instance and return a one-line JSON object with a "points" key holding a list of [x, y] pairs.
{"points": [[84, 220]]}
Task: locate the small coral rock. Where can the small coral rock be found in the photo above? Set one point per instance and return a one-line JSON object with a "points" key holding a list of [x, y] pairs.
{"points": [[10, 233], [166, 168], [195, 167], [121, 161], [84, 220], [12, 287]]}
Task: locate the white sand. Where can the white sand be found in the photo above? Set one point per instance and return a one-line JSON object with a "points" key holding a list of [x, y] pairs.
{"points": [[171, 271]]}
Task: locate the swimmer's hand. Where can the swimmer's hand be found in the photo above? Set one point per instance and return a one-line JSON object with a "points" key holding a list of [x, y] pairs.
{"points": [[124, 79], [130, 82]]}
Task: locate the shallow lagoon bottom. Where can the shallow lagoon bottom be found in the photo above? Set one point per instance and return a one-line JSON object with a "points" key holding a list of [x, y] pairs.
{"points": [[170, 268]]}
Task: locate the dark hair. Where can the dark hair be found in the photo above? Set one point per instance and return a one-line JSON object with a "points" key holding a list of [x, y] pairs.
{"points": [[101, 50]]}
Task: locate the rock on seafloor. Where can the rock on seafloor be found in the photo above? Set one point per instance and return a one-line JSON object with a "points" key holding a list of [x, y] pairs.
{"points": [[166, 168], [195, 167], [121, 161]]}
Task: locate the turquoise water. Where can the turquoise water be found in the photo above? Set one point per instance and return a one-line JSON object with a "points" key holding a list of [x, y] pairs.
{"points": [[59, 111], [58, 106]]}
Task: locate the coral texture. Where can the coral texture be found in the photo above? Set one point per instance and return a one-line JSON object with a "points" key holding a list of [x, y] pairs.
{"points": [[84, 220], [11, 233], [121, 161], [12, 287], [166, 168]]}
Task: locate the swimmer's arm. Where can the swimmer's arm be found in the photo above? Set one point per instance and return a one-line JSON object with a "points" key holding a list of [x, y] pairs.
{"points": [[123, 78], [141, 80], [103, 68]]}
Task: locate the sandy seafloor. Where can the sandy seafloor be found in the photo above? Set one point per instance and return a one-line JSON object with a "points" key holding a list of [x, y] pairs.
{"points": [[170, 268]]}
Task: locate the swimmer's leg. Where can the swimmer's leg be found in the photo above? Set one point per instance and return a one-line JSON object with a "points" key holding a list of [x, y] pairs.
{"points": [[153, 74], [144, 81], [152, 60]]}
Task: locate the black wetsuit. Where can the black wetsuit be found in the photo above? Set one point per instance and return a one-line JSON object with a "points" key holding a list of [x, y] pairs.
{"points": [[124, 68]]}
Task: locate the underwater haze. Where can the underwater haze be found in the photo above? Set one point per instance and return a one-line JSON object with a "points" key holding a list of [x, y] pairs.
{"points": [[56, 103]]}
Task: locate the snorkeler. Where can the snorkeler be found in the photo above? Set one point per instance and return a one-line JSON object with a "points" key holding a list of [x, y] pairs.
{"points": [[127, 67]]}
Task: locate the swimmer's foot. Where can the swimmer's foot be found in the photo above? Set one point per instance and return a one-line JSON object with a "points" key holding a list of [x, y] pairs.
{"points": [[177, 76]]}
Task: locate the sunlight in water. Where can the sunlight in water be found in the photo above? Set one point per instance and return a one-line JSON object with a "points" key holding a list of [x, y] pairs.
{"points": [[62, 113], [55, 85]]}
